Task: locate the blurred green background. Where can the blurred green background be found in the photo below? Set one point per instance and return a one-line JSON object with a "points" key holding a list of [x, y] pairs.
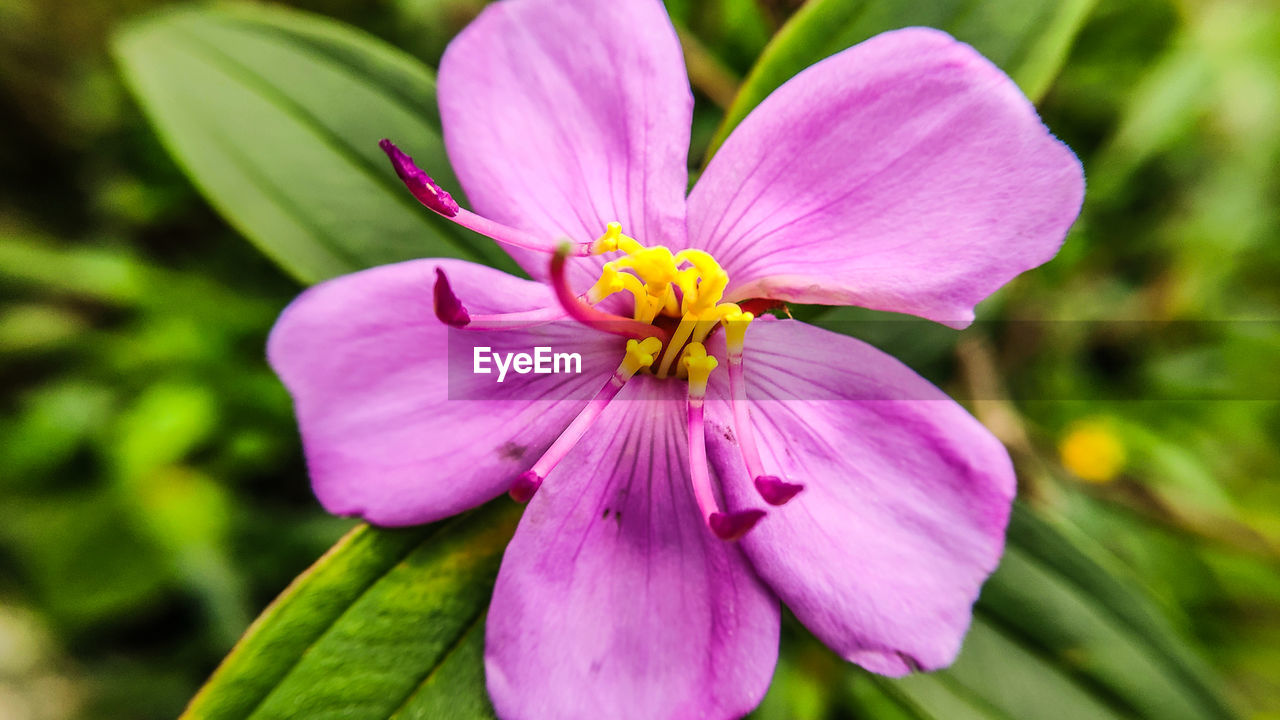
{"points": [[152, 494]]}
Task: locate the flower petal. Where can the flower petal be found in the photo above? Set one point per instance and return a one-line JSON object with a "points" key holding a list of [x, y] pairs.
{"points": [[614, 599], [906, 173], [367, 363], [561, 116], [905, 503]]}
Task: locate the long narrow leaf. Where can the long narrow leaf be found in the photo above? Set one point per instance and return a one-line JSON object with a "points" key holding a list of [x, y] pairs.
{"points": [[276, 116]]}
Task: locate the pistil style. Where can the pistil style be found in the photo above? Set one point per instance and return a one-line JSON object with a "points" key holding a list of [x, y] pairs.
{"points": [[590, 316]]}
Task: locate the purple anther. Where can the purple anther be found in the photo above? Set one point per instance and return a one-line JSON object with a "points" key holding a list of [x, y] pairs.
{"points": [[418, 182], [775, 490], [525, 486], [732, 526], [449, 309]]}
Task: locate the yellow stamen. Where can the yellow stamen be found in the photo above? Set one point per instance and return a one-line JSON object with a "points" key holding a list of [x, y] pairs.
{"points": [[711, 283], [655, 265], [658, 299], [700, 259], [651, 275], [735, 330], [648, 302], [670, 305], [687, 281], [708, 319], [640, 354], [607, 285], [678, 339], [639, 292], [629, 245], [699, 365], [608, 242]]}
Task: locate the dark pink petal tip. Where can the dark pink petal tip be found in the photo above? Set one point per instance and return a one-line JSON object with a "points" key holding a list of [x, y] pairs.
{"points": [[449, 309], [525, 486], [775, 490], [418, 182], [732, 526]]}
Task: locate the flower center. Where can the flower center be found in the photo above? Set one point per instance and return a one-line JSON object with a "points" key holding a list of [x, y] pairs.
{"points": [[677, 304], [682, 289]]}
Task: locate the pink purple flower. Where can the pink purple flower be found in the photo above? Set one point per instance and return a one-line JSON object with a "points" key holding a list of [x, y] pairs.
{"points": [[727, 463]]}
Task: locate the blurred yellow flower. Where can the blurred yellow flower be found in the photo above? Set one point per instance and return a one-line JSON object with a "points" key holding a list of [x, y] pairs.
{"points": [[1092, 452]]}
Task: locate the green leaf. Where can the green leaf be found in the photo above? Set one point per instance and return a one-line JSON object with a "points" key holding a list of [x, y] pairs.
{"points": [[1058, 637], [276, 115], [1028, 39], [388, 624]]}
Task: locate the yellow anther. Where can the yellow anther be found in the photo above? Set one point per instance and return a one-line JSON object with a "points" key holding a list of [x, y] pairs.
{"points": [[629, 245], [687, 281], [651, 307], [707, 320], [701, 260], [710, 290], [640, 354], [659, 300], [670, 305], [699, 365], [726, 310], [711, 283], [678, 339], [611, 281], [735, 329], [608, 242], [655, 265], [607, 285], [632, 284]]}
